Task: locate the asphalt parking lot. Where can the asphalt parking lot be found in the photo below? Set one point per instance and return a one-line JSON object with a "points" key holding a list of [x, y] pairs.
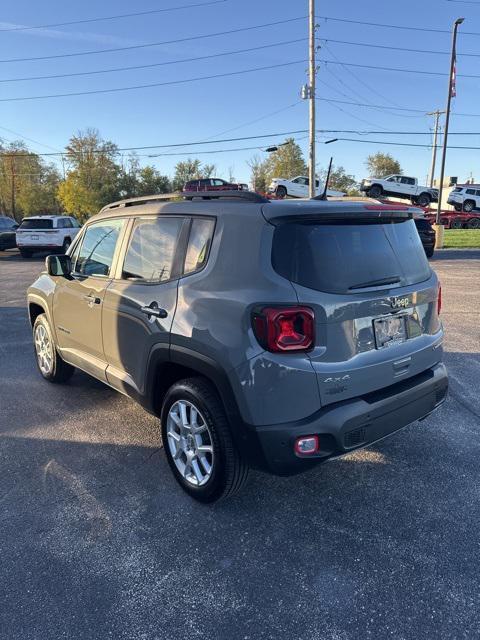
{"points": [[97, 540]]}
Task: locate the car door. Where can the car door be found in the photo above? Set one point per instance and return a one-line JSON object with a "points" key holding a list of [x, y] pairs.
{"points": [[78, 300], [298, 187], [408, 186], [140, 302]]}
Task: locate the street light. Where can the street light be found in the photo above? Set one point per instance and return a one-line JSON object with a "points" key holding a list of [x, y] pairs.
{"points": [[451, 89]]}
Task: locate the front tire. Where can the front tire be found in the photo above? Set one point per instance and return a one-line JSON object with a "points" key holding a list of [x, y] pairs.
{"points": [[468, 206], [198, 443], [281, 192], [50, 364]]}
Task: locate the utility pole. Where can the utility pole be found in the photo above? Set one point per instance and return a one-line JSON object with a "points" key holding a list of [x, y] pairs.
{"points": [[311, 95], [437, 115], [451, 89], [13, 186]]}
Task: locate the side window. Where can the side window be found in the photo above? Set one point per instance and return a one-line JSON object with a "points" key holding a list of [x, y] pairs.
{"points": [[60, 223], [201, 234], [471, 192], [97, 247], [411, 181], [151, 250], [218, 182], [67, 223], [478, 193]]}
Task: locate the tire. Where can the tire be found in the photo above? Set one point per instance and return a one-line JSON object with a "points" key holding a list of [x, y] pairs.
{"points": [[468, 206], [49, 363], [429, 252], [445, 222], [457, 207], [281, 192], [228, 472], [375, 191], [423, 200], [473, 223], [26, 253], [456, 223]]}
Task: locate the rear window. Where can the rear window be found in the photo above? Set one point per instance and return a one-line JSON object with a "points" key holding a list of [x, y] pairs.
{"points": [[345, 257], [37, 223]]}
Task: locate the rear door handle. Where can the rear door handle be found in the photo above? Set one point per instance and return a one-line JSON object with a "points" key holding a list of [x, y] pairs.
{"points": [[154, 310], [91, 299]]}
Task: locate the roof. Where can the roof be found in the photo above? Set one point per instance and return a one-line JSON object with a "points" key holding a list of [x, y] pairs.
{"points": [[46, 217], [246, 203]]}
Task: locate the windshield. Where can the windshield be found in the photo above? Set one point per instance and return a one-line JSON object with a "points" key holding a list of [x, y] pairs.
{"points": [[347, 256]]}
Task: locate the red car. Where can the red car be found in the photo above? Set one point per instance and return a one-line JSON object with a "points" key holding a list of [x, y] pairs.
{"points": [[213, 184]]}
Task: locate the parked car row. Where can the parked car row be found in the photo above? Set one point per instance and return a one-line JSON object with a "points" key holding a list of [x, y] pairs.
{"points": [[38, 233]]}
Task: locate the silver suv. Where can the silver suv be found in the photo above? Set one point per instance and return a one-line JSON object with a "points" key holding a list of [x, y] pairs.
{"points": [[273, 335]]}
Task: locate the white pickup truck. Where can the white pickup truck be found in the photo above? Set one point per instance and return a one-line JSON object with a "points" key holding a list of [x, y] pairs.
{"points": [[399, 187]]}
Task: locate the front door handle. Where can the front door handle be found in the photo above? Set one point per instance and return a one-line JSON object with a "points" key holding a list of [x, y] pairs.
{"points": [[91, 299], [154, 310]]}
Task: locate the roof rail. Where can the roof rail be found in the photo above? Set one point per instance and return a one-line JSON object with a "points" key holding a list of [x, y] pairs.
{"points": [[250, 196], [130, 202]]}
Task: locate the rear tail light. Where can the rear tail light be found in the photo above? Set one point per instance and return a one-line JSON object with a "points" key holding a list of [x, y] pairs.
{"points": [[306, 445], [439, 299], [285, 329]]}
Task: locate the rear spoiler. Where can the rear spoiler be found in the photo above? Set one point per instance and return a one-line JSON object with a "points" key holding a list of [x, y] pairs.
{"points": [[326, 215]]}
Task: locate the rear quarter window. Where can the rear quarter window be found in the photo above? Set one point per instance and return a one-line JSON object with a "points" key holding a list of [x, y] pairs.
{"points": [[345, 257]]}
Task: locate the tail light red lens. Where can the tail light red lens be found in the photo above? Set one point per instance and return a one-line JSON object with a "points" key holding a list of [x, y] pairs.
{"points": [[285, 329], [439, 299]]}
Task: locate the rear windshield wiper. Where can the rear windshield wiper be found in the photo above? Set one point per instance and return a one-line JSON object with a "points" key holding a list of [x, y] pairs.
{"points": [[376, 283]]}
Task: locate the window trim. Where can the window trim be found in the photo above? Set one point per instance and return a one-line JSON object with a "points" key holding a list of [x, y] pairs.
{"points": [[180, 249]]}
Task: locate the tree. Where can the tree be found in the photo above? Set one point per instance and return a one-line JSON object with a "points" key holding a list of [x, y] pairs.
{"points": [[93, 179], [287, 162], [190, 169], [27, 184], [150, 181], [258, 173], [340, 180], [380, 165]]}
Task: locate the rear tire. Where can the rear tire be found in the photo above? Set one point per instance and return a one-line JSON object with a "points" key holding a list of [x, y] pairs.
{"points": [[49, 363], [26, 253], [468, 206], [192, 417], [457, 207], [423, 200], [473, 223], [375, 191]]}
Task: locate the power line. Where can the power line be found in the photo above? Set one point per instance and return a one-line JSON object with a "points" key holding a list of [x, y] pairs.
{"points": [[395, 26], [373, 106], [155, 44], [156, 64], [391, 48], [177, 144], [405, 144], [116, 17], [153, 84], [369, 66]]}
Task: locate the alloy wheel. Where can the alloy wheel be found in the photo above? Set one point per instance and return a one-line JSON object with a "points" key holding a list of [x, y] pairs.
{"points": [[190, 443], [44, 350]]}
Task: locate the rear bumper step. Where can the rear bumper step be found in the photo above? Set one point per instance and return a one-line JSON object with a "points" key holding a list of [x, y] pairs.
{"points": [[350, 424]]}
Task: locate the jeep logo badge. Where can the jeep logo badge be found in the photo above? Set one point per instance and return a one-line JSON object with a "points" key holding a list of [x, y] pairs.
{"points": [[399, 303]]}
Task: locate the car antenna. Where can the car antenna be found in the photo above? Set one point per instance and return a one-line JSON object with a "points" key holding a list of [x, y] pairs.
{"points": [[323, 196]]}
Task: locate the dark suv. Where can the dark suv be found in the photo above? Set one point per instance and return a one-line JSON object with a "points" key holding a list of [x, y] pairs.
{"points": [[265, 334], [8, 226], [213, 184]]}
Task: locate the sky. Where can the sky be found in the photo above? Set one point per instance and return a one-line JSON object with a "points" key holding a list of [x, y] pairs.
{"points": [[265, 101]]}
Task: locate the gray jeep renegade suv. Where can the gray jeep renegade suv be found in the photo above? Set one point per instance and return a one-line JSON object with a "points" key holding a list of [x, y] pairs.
{"points": [[272, 335]]}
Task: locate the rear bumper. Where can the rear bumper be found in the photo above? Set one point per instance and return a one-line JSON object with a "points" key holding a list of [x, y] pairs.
{"points": [[39, 247], [347, 425]]}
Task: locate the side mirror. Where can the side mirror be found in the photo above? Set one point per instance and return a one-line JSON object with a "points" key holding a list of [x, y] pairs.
{"points": [[58, 265]]}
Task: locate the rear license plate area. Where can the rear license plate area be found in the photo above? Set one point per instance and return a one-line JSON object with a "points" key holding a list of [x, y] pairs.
{"points": [[390, 330]]}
